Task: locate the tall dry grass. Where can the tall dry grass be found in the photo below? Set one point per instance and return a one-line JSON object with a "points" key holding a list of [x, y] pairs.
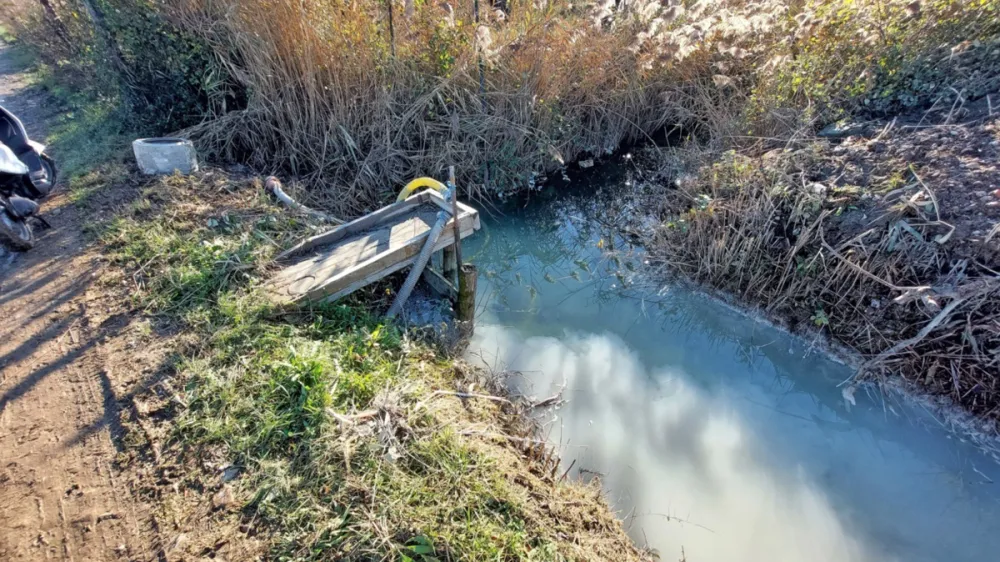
{"points": [[335, 97], [764, 231], [329, 101], [338, 97], [325, 90]]}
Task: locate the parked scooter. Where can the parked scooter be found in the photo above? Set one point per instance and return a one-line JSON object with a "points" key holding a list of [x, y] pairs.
{"points": [[27, 175]]}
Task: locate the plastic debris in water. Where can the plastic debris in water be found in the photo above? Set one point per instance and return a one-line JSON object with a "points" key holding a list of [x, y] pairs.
{"points": [[848, 394]]}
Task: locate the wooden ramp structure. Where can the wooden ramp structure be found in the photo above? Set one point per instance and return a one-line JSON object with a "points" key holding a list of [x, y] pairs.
{"points": [[334, 264]]}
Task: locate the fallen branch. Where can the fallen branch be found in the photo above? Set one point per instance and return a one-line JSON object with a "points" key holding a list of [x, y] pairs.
{"points": [[467, 432], [553, 400], [466, 395], [566, 473], [273, 186]]}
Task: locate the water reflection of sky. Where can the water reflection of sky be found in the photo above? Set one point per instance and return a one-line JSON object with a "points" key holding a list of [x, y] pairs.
{"points": [[710, 431]]}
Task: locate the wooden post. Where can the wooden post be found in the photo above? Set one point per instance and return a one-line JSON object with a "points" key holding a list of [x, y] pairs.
{"points": [[449, 267], [467, 273], [467, 298], [454, 213], [456, 249]]}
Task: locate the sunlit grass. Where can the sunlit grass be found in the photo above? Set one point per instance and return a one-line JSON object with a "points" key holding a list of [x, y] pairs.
{"points": [[346, 446]]}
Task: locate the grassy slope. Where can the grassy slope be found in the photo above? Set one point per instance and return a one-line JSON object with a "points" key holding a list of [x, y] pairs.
{"points": [[349, 440]]}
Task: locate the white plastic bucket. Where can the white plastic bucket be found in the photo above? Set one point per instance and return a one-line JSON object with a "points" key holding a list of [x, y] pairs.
{"points": [[165, 155]]}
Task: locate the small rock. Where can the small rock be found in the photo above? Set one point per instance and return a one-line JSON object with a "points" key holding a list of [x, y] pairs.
{"points": [[230, 473], [817, 188], [107, 516], [223, 498], [877, 147], [588, 163]]}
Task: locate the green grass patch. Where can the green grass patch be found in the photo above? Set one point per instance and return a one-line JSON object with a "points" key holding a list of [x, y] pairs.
{"points": [[84, 136], [350, 446]]}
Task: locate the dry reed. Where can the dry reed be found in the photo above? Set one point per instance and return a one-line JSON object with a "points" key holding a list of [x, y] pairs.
{"points": [[763, 231]]}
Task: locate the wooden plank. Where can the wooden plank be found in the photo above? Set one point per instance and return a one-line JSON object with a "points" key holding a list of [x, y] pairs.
{"points": [[439, 284], [365, 246], [320, 281], [356, 226], [440, 201], [388, 270], [367, 249], [380, 266]]}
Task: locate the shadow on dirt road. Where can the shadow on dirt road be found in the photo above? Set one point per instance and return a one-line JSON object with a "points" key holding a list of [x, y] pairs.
{"points": [[61, 494]]}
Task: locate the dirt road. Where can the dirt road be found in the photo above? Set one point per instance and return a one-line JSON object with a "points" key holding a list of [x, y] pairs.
{"points": [[61, 496]]}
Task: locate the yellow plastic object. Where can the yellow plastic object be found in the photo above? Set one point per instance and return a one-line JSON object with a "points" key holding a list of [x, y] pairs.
{"points": [[417, 184]]}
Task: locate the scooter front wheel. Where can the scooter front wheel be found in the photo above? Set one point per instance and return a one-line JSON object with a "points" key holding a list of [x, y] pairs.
{"points": [[49, 165], [17, 232]]}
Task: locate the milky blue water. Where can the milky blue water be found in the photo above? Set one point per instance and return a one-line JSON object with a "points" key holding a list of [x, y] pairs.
{"points": [[709, 431]]}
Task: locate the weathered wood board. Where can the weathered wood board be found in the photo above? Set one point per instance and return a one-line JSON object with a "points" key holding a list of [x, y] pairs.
{"points": [[336, 263]]}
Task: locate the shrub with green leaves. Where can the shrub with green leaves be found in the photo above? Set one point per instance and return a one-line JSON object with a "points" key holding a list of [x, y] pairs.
{"points": [[882, 57], [128, 51]]}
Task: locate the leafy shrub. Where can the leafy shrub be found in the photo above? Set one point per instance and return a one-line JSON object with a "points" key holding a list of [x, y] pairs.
{"points": [[850, 55], [170, 78], [128, 51]]}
